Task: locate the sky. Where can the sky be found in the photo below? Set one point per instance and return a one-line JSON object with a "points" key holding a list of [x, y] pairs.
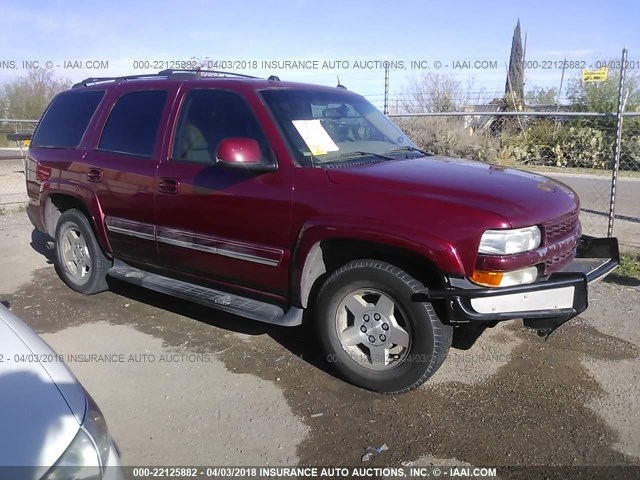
{"points": [[136, 36]]}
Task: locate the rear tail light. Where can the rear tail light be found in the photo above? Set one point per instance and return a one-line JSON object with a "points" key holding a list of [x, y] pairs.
{"points": [[43, 172]]}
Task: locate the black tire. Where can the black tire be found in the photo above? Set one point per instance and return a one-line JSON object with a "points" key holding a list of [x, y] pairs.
{"points": [[427, 343], [90, 259]]}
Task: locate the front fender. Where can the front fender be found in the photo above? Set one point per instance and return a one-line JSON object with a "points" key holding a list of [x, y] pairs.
{"points": [[308, 264]]}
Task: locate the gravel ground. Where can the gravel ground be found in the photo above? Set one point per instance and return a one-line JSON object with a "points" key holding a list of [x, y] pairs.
{"points": [[240, 392]]}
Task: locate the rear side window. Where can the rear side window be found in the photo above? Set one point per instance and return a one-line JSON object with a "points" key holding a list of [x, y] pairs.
{"points": [[132, 126], [66, 119]]}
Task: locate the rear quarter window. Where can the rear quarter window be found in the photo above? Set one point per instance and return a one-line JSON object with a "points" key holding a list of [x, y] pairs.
{"points": [[66, 119]]}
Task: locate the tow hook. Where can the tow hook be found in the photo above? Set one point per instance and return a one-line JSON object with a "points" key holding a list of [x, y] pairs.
{"points": [[546, 326]]}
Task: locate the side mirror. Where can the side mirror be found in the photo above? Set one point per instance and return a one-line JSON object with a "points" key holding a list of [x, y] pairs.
{"points": [[242, 153]]}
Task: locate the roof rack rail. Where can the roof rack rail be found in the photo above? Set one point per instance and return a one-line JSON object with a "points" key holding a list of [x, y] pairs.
{"points": [[164, 73], [91, 80], [197, 71]]}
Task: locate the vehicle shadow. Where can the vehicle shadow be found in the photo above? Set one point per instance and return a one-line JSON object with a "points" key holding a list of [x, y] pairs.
{"points": [[43, 244], [622, 280], [300, 340]]}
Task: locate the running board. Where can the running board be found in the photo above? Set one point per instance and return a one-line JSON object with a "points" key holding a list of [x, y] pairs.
{"points": [[242, 306]]}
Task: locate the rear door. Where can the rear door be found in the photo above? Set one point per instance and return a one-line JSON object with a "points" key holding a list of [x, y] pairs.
{"points": [[221, 224], [123, 165]]}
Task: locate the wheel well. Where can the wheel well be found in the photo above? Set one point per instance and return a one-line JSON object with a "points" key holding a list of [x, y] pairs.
{"points": [[56, 205], [328, 255]]}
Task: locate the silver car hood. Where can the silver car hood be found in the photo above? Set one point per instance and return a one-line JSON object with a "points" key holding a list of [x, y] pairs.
{"points": [[42, 404]]}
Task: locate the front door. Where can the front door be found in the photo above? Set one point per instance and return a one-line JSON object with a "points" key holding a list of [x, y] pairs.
{"points": [[221, 224]]}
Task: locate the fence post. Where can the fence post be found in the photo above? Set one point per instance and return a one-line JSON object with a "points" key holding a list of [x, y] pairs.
{"points": [[618, 143], [385, 108]]}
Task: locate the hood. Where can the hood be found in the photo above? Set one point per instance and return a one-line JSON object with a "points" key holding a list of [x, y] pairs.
{"points": [[41, 402], [521, 198]]}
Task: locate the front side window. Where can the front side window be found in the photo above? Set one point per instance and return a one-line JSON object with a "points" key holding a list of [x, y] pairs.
{"points": [[209, 116], [66, 119], [132, 126], [324, 127]]}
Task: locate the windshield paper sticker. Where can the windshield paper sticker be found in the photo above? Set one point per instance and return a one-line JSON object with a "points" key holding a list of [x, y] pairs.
{"points": [[315, 136]]}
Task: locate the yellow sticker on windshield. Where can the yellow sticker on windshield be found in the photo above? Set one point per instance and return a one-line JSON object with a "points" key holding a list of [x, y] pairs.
{"points": [[316, 150], [315, 136]]}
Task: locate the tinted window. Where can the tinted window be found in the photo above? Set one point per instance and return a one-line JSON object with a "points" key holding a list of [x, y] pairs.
{"points": [[209, 116], [66, 119], [132, 126]]}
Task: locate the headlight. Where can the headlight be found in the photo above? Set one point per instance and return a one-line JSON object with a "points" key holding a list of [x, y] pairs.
{"points": [[88, 453], [506, 242], [96, 426]]}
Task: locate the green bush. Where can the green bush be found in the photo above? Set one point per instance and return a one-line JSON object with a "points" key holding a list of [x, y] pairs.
{"points": [[540, 142], [448, 136], [630, 146], [546, 143], [537, 142]]}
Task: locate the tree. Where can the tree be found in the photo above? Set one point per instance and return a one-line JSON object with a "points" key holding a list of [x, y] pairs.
{"points": [[3, 106], [541, 96], [435, 92], [514, 86], [603, 96], [28, 96]]}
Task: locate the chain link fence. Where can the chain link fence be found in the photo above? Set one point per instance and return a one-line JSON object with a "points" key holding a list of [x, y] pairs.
{"points": [[13, 149], [627, 188]]}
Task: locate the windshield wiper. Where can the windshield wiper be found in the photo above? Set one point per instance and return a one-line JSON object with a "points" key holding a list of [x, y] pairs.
{"points": [[411, 149], [365, 154]]}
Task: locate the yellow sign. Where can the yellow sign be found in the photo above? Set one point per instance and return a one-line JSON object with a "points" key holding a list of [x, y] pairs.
{"points": [[27, 142], [595, 75]]}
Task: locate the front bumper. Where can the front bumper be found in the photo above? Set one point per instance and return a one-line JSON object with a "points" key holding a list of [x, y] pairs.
{"points": [[544, 305]]}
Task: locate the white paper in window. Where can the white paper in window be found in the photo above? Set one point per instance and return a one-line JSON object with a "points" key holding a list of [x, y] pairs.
{"points": [[315, 136]]}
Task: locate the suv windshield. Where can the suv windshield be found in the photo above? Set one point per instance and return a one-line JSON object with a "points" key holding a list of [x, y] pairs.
{"points": [[334, 127]]}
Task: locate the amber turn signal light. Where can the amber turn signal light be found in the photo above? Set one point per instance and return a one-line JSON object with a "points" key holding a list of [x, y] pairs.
{"points": [[491, 279]]}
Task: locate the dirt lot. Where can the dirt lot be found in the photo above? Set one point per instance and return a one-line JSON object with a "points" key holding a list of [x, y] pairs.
{"points": [[199, 387]]}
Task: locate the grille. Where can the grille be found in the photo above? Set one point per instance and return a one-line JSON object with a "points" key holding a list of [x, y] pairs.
{"points": [[554, 230], [559, 259]]}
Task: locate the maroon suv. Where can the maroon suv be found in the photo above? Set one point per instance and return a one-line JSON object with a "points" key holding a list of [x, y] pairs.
{"points": [[268, 199]]}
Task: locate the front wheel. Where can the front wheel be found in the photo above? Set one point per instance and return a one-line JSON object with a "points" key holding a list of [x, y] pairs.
{"points": [[373, 334], [79, 259]]}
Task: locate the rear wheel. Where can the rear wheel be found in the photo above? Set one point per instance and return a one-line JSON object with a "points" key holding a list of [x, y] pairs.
{"points": [[80, 262], [374, 334]]}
